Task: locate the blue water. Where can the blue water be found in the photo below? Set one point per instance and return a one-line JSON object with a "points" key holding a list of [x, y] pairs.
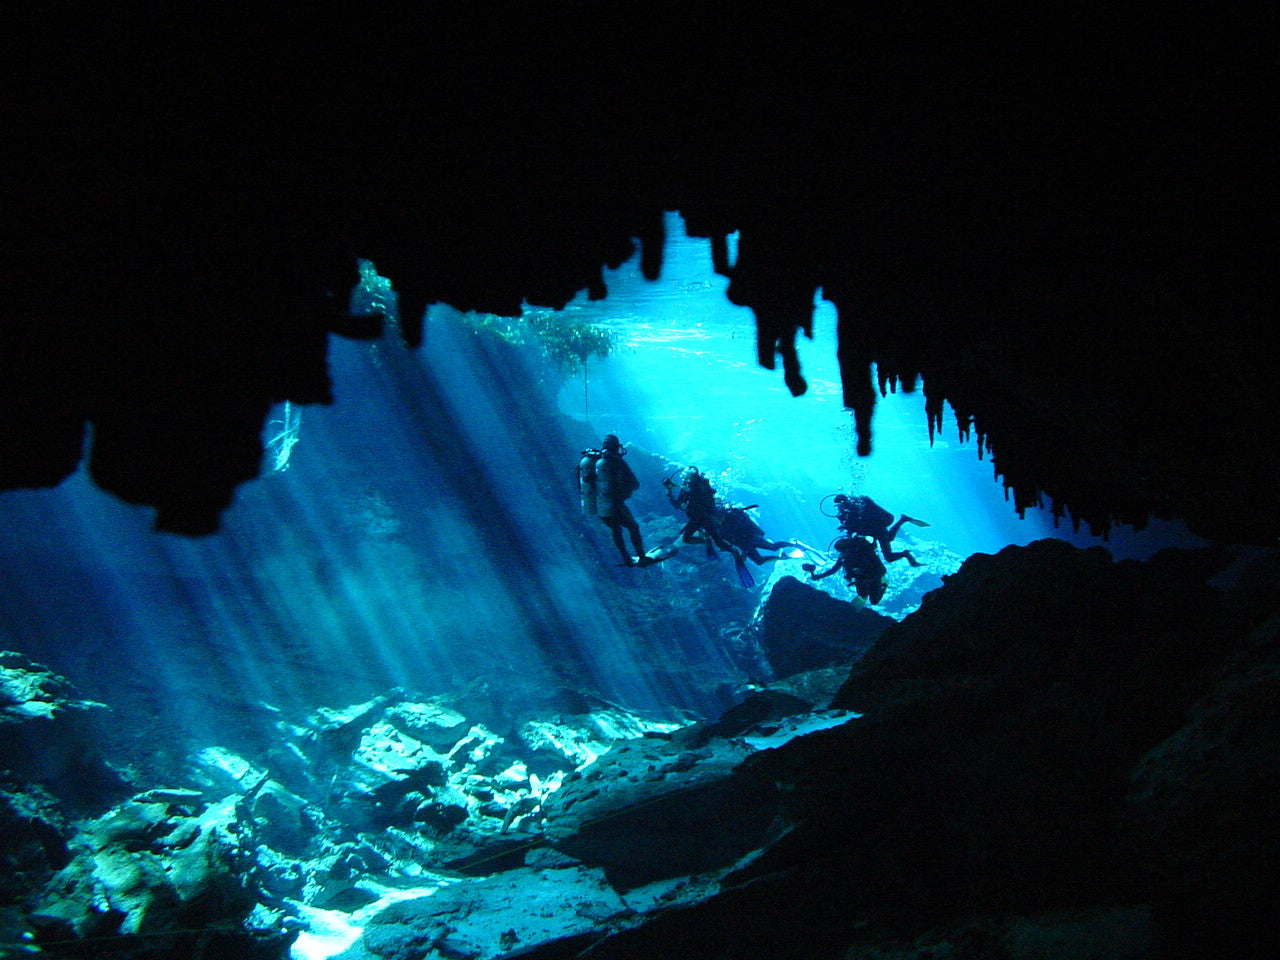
{"points": [[684, 382], [419, 533]]}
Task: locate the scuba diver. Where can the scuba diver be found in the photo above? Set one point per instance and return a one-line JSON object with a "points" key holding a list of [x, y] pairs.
{"points": [[736, 526], [856, 556], [863, 517], [605, 481], [697, 498]]}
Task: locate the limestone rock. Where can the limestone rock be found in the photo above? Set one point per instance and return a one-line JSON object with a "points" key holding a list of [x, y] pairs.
{"points": [[47, 735], [1206, 801], [433, 723], [491, 917], [145, 876], [656, 807], [982, 795], [33, 841]]}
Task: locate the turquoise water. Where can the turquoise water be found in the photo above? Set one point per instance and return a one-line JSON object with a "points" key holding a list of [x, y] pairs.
{"points": [[684, 383], [424, 530]]}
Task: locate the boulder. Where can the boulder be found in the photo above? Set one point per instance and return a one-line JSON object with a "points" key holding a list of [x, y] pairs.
{"points": [[339, 730], [283, 820], [661, 807], [799, 628], [1051, 761], [490, 917], [432, 723], [1206, 804], [151, 881], [47, 735], [386, 766]]}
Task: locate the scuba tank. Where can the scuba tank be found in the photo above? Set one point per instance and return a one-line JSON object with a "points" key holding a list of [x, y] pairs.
{"points": [[588, 487]]}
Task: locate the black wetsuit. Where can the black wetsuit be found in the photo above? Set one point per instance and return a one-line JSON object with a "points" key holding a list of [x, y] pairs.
{"points": [[615, 482], [698, 500], [738, 528], [863, 517], [862, 568]]}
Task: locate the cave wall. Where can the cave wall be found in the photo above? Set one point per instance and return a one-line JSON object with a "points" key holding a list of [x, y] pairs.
{"points": [[1061, 223]]}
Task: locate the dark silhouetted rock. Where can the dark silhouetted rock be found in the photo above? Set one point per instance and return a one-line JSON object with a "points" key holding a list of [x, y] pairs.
{"points": [[33, 841], [1056, 748], [801, 628]]}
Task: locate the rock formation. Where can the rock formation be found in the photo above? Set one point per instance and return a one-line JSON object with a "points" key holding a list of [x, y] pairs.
{"points": [[1063, 224], [1071, 246]]}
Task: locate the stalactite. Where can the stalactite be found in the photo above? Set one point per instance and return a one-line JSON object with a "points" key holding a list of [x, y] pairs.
{"points": [[776, 337], [933, 410], [886, 381], [859, 392], [411, 315], [720, 253], [778, 282], [596, 289]]}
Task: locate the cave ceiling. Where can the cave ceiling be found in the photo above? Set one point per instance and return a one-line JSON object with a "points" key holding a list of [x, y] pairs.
{"points": [[1063, 227]]}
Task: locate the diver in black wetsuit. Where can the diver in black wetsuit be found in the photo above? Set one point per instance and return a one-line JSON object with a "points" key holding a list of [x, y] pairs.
{"points": [[697, 498], [605, 481], [856, 556], [738, 528], [863, 517]]}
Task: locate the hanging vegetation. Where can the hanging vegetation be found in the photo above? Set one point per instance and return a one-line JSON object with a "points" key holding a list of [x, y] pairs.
{"points": [[565, 341]]}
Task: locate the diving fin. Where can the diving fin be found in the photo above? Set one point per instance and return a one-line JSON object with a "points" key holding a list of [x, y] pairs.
{"points": [[809, 551], [656, 555]]}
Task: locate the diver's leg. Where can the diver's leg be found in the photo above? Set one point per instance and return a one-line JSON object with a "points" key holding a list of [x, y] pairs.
{"points": [[700, 524], [773, 546], [713, 531], [712, 538], [621, 545], [900, 555], [637, 541], [885, 539], [615, 528], [893, 530]]}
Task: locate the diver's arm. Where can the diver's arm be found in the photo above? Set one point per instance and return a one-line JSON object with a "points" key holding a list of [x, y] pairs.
{"points": [[671, 496], [834, 567]]}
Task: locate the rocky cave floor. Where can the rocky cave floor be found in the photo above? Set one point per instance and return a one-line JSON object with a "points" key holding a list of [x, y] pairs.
{"points": [[1055, 756]]}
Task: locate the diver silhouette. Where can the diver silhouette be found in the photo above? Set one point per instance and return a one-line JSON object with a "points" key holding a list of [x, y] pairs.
{"points": [[697, 498], [863, 517], [605, 481], [736, 526], [856, 556]]}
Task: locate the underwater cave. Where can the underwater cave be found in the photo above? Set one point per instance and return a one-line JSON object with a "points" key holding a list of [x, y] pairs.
{"points": [[311, 646]]}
